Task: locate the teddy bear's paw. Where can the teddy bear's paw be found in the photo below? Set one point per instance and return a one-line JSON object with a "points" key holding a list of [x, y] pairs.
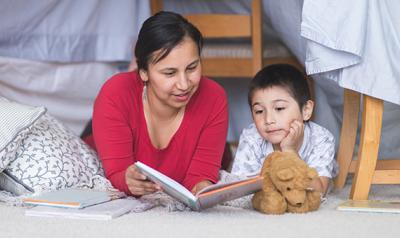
{"points": [[311, 204], [313, 200], [269, 203], [298, 208]]}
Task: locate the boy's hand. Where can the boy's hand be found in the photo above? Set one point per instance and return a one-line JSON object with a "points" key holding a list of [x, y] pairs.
{"points": [[137, 182], [294, 139]]}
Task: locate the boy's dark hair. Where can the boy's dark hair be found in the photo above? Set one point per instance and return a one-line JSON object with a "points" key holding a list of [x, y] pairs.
{"points": [[282, 75], [163, 31]]}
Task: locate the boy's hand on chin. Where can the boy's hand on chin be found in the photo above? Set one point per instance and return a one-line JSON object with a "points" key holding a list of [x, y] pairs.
{"points": [[294, 138]]}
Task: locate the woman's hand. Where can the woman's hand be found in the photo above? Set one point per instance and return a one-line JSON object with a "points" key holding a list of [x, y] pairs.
{"points": [[137, 182], [200, 185], [294, 139]]}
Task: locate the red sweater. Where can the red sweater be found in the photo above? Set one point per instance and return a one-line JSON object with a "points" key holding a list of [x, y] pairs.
{"points": [[120, 133]]}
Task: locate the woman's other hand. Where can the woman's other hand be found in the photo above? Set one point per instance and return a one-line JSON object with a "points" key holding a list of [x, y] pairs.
{"points": [[200, 185], [137, 182]]}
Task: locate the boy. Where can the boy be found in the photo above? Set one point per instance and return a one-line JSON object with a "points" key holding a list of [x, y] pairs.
{"points": [[281, 107]]}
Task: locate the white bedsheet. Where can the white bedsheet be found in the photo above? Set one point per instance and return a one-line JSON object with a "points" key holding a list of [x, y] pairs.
{"points": [[58, 54], [67, 90], [70, 31], [323, 17], [355, 43]]}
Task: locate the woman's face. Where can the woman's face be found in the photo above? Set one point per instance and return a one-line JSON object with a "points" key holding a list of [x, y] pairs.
{"points": [[273, 110], [173, 80]]}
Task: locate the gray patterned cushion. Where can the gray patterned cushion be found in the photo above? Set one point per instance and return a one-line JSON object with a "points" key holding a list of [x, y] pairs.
{"points": [[38, 153], [16, 121], [51, 158]]}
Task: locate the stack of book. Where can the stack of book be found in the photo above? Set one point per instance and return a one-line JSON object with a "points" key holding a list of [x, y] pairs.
{"points": [[80, 204]]}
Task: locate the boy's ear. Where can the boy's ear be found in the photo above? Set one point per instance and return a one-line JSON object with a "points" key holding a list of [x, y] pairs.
{"points": [[307, 110], [143, 75]]}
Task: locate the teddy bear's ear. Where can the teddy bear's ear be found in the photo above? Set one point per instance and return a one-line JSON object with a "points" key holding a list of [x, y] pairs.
{"points": [[285, 174], [312, 173]]}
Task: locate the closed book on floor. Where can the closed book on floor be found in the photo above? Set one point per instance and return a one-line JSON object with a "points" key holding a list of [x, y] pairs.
{"points": [[103, 211], [72, 198], [370, 206]]}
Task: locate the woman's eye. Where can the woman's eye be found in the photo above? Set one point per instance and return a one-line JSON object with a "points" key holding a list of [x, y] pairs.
{"points": [[191, 68], [258, 111], [169, 73], [280, 108]]}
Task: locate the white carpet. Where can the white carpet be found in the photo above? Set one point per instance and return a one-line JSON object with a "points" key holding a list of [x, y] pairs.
{"points": [[221, 221]]}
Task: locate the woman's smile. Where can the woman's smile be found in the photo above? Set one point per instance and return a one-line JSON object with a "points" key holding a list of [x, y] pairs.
{"points": [[182, 97]]}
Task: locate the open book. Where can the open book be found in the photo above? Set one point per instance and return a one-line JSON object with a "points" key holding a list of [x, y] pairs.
{"points": [[207, 197], [370, 206]]}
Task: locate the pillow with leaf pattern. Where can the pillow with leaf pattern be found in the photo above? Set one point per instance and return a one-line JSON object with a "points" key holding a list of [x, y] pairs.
{"points": [[47, 156]]}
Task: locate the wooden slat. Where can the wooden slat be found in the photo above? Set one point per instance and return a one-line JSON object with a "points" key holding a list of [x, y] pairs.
{"points": [[351, 108], [369, 146], [386, 177], [386, 171], [387, 164], [256, 29], [227, 67], [221, 25], [156, 6]]}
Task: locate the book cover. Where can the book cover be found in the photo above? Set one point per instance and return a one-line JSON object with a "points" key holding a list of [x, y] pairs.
{"points": [[207, 197], [103, 211], [72, 198], [370, 206]]}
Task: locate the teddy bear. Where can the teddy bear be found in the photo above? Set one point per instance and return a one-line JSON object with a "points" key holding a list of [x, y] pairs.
{"points": [[286, 181]]}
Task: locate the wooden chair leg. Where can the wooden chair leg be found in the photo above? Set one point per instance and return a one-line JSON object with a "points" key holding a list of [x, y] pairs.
{"points": [[351, 108], [369, 146]]}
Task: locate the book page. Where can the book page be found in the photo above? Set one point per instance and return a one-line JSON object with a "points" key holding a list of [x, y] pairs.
{"points": [[226, 185], [218, 193], [169, 186]]}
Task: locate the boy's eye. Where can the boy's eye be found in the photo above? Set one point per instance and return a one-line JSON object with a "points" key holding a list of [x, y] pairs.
{"points": [[258, 111], [279, 108]]}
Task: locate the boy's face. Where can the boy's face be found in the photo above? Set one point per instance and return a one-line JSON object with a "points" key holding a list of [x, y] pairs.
{"points": [[273, 110]]}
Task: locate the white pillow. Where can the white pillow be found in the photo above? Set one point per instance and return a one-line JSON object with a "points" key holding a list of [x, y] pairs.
{"points": [[52, 158], [15, 123], [38, 153]]}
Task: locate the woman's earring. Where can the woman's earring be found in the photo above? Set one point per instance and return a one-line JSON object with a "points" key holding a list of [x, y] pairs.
{"points": [[144, 94]]}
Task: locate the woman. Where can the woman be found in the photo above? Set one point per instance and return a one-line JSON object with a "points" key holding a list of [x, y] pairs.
{"points": [[165, 114]]}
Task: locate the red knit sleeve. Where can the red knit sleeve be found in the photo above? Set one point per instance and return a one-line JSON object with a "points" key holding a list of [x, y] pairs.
{"points": [[206, 161], [113, 134]]}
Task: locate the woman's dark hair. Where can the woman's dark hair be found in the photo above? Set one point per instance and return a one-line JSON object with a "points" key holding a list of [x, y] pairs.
{"points": [[282, 75], [163, 31]]}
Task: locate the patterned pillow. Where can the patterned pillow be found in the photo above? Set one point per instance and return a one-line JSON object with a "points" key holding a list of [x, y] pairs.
{"points": [[16, 121], [51, 158]]}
